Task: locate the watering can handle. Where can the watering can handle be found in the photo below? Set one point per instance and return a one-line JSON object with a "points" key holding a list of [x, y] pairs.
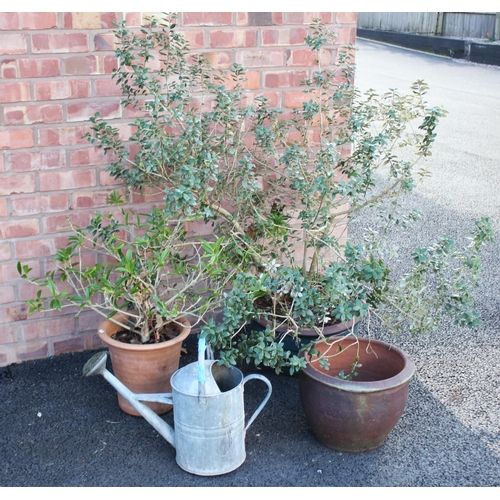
{"points": [[268, 395]]}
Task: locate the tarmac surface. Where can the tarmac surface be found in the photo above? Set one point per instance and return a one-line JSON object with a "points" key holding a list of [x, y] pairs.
{"points": [[58, 429]]}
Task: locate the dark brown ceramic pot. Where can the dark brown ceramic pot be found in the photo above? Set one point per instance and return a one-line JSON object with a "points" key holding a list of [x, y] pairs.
{"points": [[356, 415], [144, 368]]}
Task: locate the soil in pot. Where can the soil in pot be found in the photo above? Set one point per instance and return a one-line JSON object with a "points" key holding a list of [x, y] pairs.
{"points": [[356, 415], [144, 368]]}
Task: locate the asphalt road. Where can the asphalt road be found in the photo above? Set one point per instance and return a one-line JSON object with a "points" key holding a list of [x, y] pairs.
{"points": [[60, 430]]}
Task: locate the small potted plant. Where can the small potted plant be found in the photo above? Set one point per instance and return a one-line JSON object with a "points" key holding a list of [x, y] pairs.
{"points": [[150, 283]]}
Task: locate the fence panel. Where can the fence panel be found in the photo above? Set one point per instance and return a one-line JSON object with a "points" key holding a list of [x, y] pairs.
{"points": [[469, 24], [451, 24]]}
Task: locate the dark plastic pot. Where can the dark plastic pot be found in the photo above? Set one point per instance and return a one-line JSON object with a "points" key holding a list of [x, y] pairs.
{"points": [[307, 336], [356, 415]]}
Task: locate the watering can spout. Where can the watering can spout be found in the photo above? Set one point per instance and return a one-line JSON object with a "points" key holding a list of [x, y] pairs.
{"points": [[96, 365]]}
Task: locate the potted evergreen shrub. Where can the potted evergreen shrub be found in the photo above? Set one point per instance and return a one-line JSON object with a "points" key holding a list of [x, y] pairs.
{"points": [[149, 282], [282, 188]]}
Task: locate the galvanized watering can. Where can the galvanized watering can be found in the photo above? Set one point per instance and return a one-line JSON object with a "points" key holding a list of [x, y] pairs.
{"points": [[209, 419]]}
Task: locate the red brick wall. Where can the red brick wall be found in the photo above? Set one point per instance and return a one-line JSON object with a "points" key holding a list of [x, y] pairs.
{"points": [[54, 74]]}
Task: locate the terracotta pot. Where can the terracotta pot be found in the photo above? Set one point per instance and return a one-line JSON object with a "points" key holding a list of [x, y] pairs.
{"points": [[306, 336], [144, 368], [356, 415]]}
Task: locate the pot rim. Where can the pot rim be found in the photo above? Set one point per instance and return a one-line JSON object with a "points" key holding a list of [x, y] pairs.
{"points": [[403, 377], [109, 324]]}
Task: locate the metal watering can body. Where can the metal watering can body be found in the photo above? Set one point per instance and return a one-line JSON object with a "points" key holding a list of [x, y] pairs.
{"points": [[210, 429], [209, 417]]}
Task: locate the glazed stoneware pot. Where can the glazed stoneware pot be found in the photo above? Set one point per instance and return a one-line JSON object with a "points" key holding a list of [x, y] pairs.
{"points": [[355, 415], [144, 368]]}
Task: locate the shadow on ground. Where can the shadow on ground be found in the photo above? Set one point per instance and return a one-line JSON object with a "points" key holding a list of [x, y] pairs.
{"points": [[59, 429]]}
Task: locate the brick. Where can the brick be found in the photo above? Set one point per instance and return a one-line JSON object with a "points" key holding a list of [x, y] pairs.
{"points": [[89, 65], [206, 18], [8, 272], [295, 99], [59, 43], [29, 68], [73, 344], [5, 253], [32, 205], [57, 327], [252, 81], [195, 38], [28, 20], [241, 18], [61, 89], [27, 291], [37, 68], [8, 334], [62, 223], [132, 112], [25, 115], [106, 87], [82, 111], [92, 199], [219, 59], [260, 18], [18, 313], [148, 195], [134, 19], [2, 163], [3, 207], [30, 249], [307, 57], [89, 20], [105, 179], [27, 161], [274, 98], [278, 18], [346, 17], [284, 79], [107, 64], [6, 294], [73, 179], [232, 38], [14, 184], [14, 92], [89, 321], [33, 350], [199, 228], [62, 136], [81, 65], [307, 17], [11, 229], [16, 139], [13, 44], [104, 41], [90, 156], [284, 36], [346, 35], [260, 58]]}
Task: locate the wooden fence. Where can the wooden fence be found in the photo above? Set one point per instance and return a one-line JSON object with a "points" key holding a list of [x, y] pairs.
{"points": [[482, 25]]}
